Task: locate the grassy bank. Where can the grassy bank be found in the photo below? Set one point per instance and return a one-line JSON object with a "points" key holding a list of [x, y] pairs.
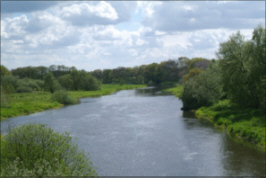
{"points": [[177, 91], [242, 123], [27, 103]]}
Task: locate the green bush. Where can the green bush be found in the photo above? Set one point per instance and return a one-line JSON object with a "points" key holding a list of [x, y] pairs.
{"points": [[150, 83], [23, 89], [203, 89], [36, 150], [9, 83], [63, 97], [4, 99]]}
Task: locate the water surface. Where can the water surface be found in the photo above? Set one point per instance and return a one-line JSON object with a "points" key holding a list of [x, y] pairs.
{"points": [[144, 133]]}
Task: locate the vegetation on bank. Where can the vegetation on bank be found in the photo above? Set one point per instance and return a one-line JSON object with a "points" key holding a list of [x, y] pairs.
{"points": [[177, 91], [247, 124], [36, 150], [26, 103], [237, 75], [231, 92]]}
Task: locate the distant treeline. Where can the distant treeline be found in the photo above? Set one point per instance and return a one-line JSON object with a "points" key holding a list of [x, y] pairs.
{"points": [[167, 72]]}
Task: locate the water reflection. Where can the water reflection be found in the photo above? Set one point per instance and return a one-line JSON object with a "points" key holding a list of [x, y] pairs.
{"points": [[236, 157], [188, 114], [240, 159], [151, 91]]}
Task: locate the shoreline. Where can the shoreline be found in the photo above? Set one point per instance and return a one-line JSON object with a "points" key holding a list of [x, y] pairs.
{"points": [[28, 103], [243, 130], [245, 125]]}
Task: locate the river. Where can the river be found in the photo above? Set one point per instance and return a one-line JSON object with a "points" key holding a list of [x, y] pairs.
{"points": [[144, 133]]}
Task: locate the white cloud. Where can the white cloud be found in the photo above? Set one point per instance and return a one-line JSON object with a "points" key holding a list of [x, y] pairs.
{"points": [[140, 42], [87, 34], [191, 16], [87, 14]]}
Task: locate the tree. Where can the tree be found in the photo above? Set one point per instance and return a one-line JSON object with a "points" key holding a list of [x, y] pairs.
{"points": [[66, 81], [97, 74], [243, 66], [76, 79], [203, 89], [192, 73], [9, 83], [150, 73], [37, 144], [107, 76], [89, 83], [50, 83], [258, 63], [5, 71]]}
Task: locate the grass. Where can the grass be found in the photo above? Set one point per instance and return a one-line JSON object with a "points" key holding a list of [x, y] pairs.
{"points": [[27, 103], [177, 91], [247, 124]]}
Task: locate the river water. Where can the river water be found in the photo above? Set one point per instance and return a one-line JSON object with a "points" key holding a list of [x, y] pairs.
{"points": [[144, 133]]}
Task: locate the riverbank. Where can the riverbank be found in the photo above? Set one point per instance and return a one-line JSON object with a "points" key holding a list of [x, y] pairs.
{"points": [[246, 124], [177, 91], [28, 103]]}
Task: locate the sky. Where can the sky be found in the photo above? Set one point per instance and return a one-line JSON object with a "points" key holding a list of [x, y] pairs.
{"points": [[108, 34]]}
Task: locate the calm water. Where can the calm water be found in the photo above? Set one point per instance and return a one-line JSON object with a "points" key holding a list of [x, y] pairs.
{"points": [[141, 132]]}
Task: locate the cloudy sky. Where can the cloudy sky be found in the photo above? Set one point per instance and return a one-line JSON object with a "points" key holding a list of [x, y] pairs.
{"points": [[106, 34]]}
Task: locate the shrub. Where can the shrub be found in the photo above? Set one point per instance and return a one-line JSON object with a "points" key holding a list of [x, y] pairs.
{"points": [[150, 83], [40, 84], [203, 89], [9, 83], [63, 97], [4, 99], [33, 85], [36, 150], [23, 89]]}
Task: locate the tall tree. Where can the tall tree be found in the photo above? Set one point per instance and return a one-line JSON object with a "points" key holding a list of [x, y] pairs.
{"points": [[242, 73], [50, 83]]}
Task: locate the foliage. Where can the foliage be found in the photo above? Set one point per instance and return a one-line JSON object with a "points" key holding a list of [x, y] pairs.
{"points": [[4, 99], [239, 74], [50, 83], [4, 71], [76, 79], [17, 168], [40, 71], [9, 83], [98, 74], [37, 150], [192, 73], [167, 71], [63, 97], [28, 85], [243, 64], [23, 89], [177, 91], [26, 103], [66, 81], [200, 63], [245, 123], [203, 89], [87, 82], [82, 80]]}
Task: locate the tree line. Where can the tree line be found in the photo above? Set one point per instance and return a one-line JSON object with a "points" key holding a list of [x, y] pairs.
{"points": [[55, 77], [238, 75]]}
